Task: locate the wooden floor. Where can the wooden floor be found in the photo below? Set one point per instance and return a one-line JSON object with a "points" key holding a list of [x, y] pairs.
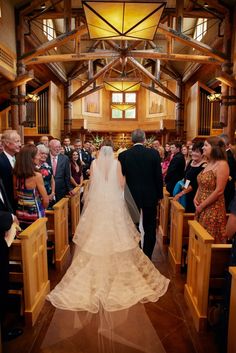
{"points": [[169, 316]]}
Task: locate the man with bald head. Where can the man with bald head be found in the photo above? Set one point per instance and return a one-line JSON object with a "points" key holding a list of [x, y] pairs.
{"points": [[11, 141], [61, 169]]}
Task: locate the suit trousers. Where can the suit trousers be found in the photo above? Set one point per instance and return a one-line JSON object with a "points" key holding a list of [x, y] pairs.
{"points": [[149, 227]]}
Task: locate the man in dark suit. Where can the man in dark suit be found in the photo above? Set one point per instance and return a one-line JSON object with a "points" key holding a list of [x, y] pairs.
{"points": [[11, 144], [61, 170], [175, 171], [6, 219], [142, 169], [230, 186], [86, 159]]}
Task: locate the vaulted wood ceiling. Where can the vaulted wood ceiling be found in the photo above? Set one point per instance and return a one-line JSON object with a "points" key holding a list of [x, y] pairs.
{"points": [[72, 54]]}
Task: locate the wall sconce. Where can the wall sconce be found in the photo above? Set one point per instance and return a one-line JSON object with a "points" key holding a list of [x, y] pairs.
{"points": [[30, 97], [214, 97], [122, 20]]}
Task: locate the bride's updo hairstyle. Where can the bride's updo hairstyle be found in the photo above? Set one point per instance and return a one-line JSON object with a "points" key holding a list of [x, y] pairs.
{"points": [[107, 142]]}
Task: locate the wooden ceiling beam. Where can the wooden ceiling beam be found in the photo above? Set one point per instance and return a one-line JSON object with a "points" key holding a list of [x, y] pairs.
{"points": [[57, 42], [20, 80], [73, 97], [153, 78], [154, 90], [44, 59], [93, 90], [190, 42], [150, 54]]}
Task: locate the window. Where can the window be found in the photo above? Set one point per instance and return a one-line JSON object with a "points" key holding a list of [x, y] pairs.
{"points": [[48, 29], [128, 102], [201, 28]]}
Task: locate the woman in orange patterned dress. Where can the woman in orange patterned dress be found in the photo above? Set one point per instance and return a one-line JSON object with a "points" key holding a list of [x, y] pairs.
{"points": [[209, 200]]}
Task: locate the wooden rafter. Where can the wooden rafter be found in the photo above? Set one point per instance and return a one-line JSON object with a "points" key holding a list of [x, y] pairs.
{"points": [[73, 97], [190, 42], [154, 90], [153, 78], [152, 54], [20, 80], [84, 94], [57, 42], [73, 57]]}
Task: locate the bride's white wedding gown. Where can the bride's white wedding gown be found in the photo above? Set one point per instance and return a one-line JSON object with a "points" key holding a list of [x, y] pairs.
{"points": [[109, 271]]}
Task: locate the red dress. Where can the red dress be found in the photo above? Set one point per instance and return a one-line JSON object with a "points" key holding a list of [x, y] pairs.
{"points": [[212, 217]]}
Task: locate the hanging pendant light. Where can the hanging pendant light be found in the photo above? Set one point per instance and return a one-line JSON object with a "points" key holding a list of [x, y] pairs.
{"points": [[122, 86], [122, 106], [122, 20]]}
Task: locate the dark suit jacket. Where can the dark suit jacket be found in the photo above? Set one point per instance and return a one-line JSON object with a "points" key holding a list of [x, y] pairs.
{"points": [[7, 178], [62, 177], [230, 186], [5, 224], [142, 168], [175, 172], [87, 159]]}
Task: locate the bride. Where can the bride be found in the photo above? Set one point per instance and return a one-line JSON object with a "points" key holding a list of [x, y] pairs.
{"points": [[109, 272]]}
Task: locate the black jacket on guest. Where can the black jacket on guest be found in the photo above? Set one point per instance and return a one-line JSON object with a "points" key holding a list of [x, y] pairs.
{"points": [[175, 172], [6, 221], [6, 174], [230, 186]]}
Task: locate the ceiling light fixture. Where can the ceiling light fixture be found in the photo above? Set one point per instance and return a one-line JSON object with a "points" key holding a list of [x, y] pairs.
{"points": [[122, 86], [122, 20], [122, 106]]}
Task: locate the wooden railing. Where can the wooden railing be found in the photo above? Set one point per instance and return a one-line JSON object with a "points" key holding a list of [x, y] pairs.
{"points": [[30, 251], [179, 233], [232, 313], [58, 232], [206, 269], [164, 215]]}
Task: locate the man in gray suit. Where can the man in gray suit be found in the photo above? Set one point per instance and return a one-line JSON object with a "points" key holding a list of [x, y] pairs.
{"points": [[61, 170]]}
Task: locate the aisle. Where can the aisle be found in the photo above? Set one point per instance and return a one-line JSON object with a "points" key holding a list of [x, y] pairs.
{"points": [[169, 316]]}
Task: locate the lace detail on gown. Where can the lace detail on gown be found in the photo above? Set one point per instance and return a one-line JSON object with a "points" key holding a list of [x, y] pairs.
{"points": [[108, 270]]}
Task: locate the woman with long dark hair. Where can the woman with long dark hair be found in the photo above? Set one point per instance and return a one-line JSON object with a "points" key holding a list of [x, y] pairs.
{"points": [[29, 189], [209, 199]]}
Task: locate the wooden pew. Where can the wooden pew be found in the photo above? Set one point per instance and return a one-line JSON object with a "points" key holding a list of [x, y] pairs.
{"points": [[164, 216], [30, 251], [232, 313], [207, 263], [179, 233], [57, 227], [75, 201]]}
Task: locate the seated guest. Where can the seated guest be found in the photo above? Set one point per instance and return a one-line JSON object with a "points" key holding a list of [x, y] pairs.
{"points": [[195, 166], [30, 192], [175, 171], [47, 174], [76, 169]]}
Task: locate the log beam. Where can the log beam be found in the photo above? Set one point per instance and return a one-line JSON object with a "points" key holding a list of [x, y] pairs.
{"points": [[20, 80], [154, 90]]}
